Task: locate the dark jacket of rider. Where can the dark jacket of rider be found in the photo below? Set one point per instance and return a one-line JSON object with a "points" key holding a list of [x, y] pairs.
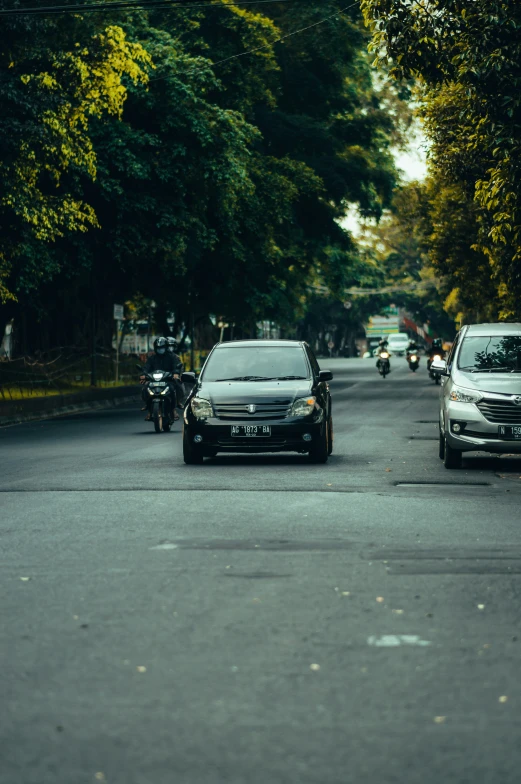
{"points": [[164, 362]]}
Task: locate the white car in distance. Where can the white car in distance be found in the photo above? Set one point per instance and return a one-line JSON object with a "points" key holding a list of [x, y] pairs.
{"points": [[398, 343]]}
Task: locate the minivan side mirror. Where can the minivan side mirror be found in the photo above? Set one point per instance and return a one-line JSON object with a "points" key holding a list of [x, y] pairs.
{"points": [[439, 366], [325, 375], [188, 377]]}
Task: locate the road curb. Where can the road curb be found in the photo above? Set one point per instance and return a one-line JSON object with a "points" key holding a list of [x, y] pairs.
{"points": [[18, 412]]}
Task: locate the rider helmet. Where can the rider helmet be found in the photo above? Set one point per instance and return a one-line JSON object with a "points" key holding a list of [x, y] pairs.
{"points": [[160, 345], [437, 343]]}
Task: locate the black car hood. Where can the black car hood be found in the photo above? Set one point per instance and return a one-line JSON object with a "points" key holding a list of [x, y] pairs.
{"points": [[251, 391]]}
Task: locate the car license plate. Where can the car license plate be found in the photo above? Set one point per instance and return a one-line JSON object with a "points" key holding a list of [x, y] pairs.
{"points": [[159, 383], [511, 431], [251, 430]]}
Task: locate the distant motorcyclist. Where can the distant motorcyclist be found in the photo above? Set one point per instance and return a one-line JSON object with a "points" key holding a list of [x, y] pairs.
{"points": [[172, 350], [412, 347], [383, 345], [161, 359], [437, 348]]}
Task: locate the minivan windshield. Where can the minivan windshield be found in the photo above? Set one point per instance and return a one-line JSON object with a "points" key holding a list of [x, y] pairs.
{"points": [[256, 363], [491, 354]]}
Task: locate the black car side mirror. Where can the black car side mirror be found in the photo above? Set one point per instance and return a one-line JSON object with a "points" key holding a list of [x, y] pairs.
{"points": [[325, 375], [188, 377]]}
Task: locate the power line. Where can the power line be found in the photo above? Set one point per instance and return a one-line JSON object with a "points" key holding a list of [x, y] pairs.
{"points": [[124, 5], [270, 43]]}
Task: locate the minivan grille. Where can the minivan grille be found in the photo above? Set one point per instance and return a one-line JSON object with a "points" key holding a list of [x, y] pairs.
{"points": [[501, 411], [239, 411]]}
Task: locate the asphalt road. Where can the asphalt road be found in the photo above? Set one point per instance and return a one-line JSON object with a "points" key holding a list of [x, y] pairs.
{"points": [[260, 620]]}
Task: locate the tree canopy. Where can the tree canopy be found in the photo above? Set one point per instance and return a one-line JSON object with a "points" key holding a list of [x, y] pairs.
{"points": [[466, 56], [149, 154]]}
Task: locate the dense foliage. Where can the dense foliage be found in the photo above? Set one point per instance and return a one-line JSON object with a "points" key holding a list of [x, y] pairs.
{"points": [[466, 55], [144, 157]]}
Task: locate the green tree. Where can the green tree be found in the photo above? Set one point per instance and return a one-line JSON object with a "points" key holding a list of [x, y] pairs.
{"points": [[466, 55]]}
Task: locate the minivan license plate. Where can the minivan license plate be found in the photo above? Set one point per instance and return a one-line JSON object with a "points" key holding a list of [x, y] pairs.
{"points": [[251, 430], [510, 431]]}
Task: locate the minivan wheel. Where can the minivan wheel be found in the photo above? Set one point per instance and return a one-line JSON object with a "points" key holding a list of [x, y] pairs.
{"points": [[441, 448], [452, 457], [191, 455], [319, 451]]}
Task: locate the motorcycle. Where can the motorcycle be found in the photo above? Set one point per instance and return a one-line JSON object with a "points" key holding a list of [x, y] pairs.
{"points": [[383, 363], [160, 399], [414, 361], [432, 374]]}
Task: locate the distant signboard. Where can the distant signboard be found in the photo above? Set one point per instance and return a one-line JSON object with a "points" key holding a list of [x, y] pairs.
{"points": [[382, 325], [118, 313]]}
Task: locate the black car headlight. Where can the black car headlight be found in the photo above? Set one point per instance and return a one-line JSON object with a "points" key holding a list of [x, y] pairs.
{"points": [[201, 408], [303, 406]]}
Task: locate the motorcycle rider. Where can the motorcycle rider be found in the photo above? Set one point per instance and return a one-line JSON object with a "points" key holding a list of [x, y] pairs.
{"points": [[382, 346], [161, 359], [412, 348], [435, 349], [172, 349]]}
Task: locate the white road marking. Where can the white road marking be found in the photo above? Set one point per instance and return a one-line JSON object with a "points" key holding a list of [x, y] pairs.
{"points": [[166, 546], [394, 640]]}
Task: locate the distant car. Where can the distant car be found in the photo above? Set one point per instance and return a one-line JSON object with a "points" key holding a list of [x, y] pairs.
{"points": [[480, 400], [398, 343], [259, 396]]}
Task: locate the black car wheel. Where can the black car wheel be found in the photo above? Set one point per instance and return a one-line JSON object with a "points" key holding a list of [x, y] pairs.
{"points": [[191, 454], [319, 452], [452, 457], [441, 446], [331, 436]]}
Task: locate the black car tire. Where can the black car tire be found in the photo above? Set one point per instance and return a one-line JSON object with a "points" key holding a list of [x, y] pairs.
{"points": [[331, 436], [191, 454], [319, 451], [452, 457], [441, 447]]}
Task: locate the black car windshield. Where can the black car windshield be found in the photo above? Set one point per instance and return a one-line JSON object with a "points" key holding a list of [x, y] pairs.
{"points": [[256, 363], [486, 354]]}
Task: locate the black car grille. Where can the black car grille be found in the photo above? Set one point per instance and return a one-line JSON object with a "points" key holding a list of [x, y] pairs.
{"points": [[239, 411], [503, 412], [252, 443]]}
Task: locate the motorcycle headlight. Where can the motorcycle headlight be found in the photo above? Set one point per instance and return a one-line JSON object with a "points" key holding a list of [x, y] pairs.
{"points": [[384, 355], [201, 408], [303, 406], [462, 395], [436, 358], [413, 357], [165, 391], [151, 391]]}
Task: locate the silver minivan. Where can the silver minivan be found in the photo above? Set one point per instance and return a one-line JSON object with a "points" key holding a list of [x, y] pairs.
{"points": [[480, 397]]}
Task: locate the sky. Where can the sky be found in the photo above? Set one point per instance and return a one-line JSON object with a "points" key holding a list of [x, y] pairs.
{"points": [[413, 164]]}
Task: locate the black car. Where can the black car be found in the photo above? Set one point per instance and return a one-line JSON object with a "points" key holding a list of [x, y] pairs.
{"points": [[259, 396]]}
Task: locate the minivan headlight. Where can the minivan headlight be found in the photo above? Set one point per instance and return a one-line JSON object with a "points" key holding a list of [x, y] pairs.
{"points": [[201, 408], [462, 395], [303, 406]]}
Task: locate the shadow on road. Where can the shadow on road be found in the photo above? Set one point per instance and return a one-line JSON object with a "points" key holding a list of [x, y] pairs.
{"points": [[500, 464]]}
